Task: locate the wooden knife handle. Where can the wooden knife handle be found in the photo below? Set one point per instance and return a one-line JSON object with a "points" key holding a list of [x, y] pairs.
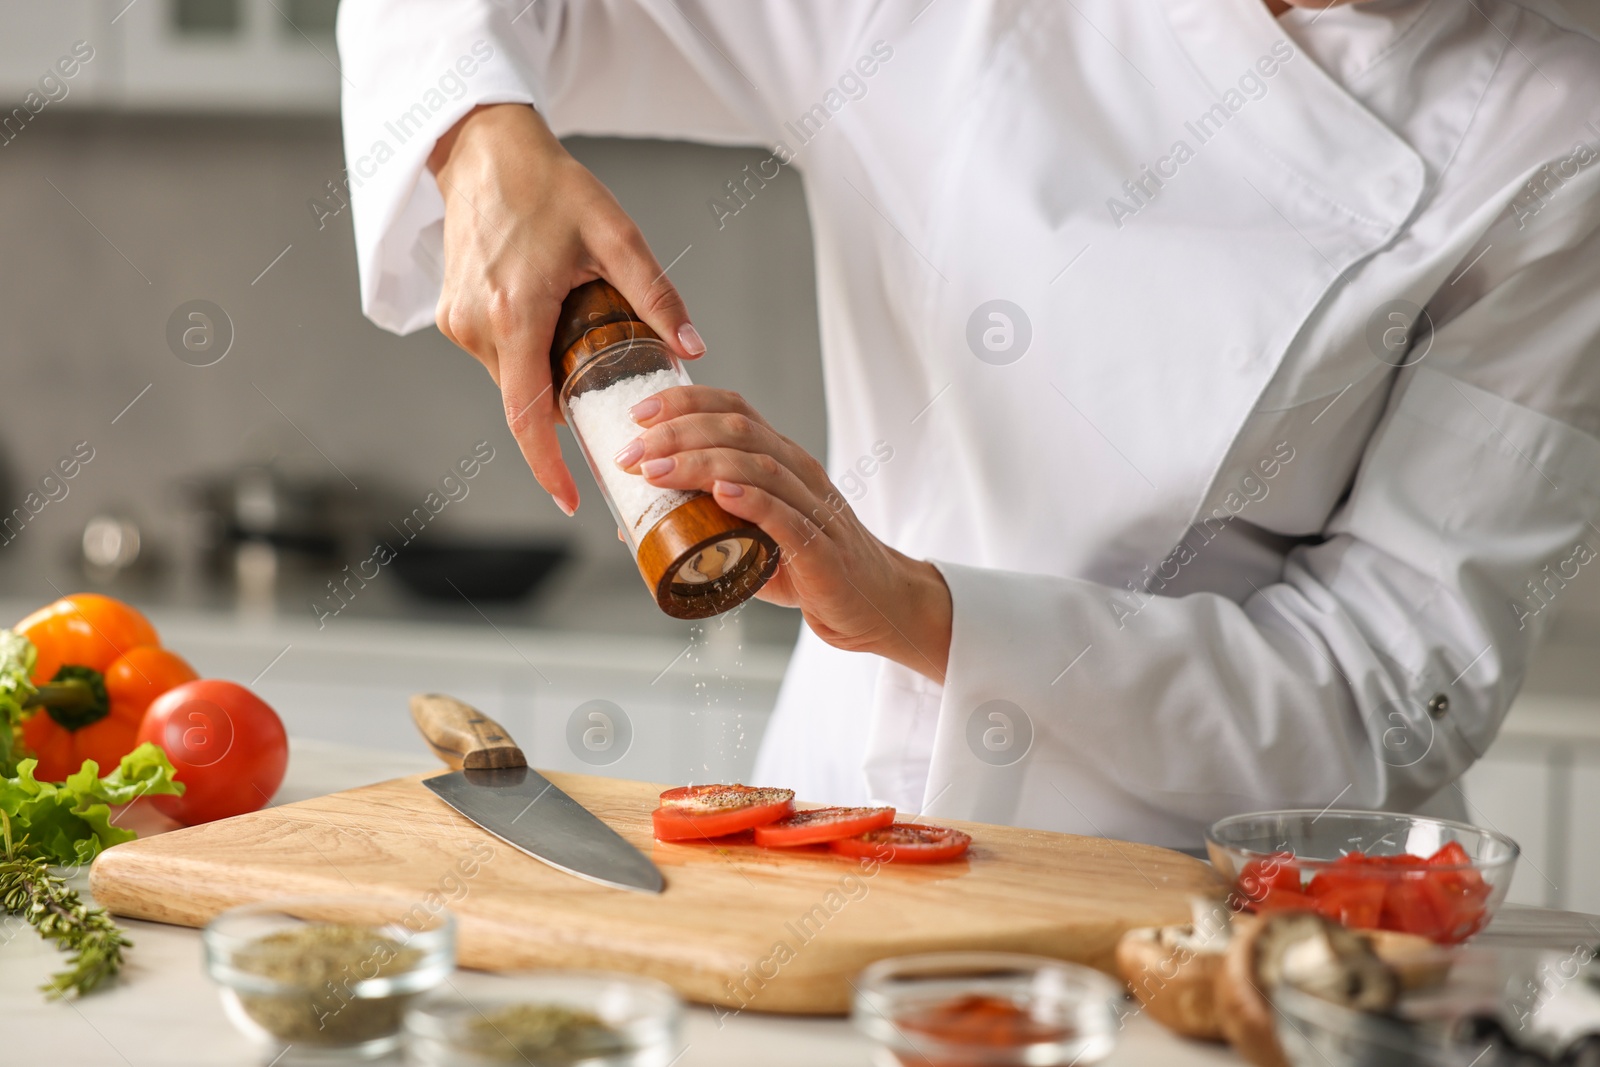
{"points": [[463, 736]]}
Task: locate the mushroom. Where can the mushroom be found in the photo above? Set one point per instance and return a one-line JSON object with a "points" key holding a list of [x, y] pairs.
{"points": [[1172, 970], [1308, 951], [1417, 962], [1173, 973]]}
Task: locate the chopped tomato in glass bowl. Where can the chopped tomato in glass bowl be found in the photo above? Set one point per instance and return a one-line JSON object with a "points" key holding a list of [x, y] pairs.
{"points": [[1371, 870]]}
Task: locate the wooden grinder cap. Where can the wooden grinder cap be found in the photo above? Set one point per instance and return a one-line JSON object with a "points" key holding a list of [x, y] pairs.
{"points": [[698, 533]]}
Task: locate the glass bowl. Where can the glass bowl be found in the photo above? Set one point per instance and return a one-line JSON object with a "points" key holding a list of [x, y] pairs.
{"points": [[1318, 1033], [327, 975], [994, 1009], [546, 1017], [1301, 858]]}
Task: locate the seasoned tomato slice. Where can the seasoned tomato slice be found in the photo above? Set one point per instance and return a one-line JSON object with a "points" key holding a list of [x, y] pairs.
{"points": [[822, 824], [696, 812], [906, 842]]}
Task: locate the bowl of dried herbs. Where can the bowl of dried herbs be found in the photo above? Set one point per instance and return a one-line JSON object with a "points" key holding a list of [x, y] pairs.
{"points": [[549, 1018], [327, 974]]}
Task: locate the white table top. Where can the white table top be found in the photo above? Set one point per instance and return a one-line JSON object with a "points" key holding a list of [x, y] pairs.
{"points": [[164, 1011]]}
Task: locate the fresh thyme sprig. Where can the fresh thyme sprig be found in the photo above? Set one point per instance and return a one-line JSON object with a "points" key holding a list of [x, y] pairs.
{"points": [[50, 906]]}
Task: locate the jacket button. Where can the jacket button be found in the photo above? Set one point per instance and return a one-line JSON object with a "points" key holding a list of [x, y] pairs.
{"points": [[1438, 705]]}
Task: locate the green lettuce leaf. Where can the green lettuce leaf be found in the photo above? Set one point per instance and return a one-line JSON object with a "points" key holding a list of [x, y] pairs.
{"points": [[71, 822], [17, 656]]}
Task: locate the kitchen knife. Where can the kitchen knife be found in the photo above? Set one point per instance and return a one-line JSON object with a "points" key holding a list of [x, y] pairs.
{"points": [[495, 788]]}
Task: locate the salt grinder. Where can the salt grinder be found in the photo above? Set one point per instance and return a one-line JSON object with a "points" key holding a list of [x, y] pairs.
{"points": [[696, 558]]}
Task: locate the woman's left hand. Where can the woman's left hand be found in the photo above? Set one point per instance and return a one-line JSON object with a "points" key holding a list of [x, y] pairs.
{"points": [[855, 592]]}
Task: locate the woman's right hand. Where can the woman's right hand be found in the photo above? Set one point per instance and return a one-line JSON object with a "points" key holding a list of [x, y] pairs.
{"points": [[524, 224]]}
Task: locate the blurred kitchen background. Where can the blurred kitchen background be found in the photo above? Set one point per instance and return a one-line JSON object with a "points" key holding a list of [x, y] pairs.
{"points": [[196, 157]]}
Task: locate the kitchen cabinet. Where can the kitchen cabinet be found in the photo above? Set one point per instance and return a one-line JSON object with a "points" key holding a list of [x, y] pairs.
{"points": [[1583, 840], [38, 37], [208, 55], [1540, 784], [1508, 792], [177, 55]]}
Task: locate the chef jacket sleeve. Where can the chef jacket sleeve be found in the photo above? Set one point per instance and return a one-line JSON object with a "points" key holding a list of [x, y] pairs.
{"points": [[1381, 664], [662, 68]]}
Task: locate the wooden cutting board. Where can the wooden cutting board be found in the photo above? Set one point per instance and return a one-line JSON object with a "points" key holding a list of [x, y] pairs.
{"points": [[737, 926]]}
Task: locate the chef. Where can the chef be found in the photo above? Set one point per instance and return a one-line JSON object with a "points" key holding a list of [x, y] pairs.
{"points": [[1239, 364]]}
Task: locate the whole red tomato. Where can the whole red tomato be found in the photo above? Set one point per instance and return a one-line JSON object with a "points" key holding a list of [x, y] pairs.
{"points": [[227, 746]]}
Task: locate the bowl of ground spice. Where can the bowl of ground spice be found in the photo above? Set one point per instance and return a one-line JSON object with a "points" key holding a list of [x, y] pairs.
{"points": [[986, 1009], [327, 975], [546, 1018]]}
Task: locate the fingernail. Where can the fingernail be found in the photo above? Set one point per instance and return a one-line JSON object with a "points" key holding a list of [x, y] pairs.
{"points": [[689, 338], [563, 506], [729, 488], [645, 408], [629, 454], [652, 468]]}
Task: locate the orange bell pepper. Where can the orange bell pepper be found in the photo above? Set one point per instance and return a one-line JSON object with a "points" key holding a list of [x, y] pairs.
{"points": [[99, 666]]}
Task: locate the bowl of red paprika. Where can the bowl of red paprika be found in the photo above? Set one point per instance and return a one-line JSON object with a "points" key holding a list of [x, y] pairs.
{"points": [[995, 1009], [1370, 870]]}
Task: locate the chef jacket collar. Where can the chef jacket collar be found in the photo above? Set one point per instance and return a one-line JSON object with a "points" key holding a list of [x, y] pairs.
{"points": [[1355, 39], [1348, 159]]}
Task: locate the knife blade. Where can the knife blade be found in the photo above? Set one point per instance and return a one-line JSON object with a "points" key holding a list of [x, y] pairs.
{"points": [[495, 788]]}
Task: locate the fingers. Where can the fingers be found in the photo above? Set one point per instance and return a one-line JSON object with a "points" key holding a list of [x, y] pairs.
{"points": [[525, 223], [698, 431], [625, 260], [457, 329], [688, 399], [507, 327], [705, 469], [736, 427], [530, 402], [699, 468], [793, 532]]}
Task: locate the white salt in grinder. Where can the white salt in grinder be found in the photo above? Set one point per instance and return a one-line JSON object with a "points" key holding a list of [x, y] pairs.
{"points": [[697, 559]]}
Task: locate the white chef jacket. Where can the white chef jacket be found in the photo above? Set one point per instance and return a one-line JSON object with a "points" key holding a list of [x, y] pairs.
{"points": [[1240, 526]]}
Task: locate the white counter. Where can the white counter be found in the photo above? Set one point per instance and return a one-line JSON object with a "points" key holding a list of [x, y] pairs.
{"points": [[695, 703], [164, 1012], [697, 709]]}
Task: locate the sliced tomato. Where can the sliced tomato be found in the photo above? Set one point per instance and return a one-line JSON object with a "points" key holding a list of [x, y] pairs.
{"points": [[1342, 877], [1263, 876], [1456, 877], [821, 825], [1402, 860], [1440, 897], [906, 842], [1358, 905], [698, 812], [1458, 920], [1286, 900], [1407, 908], [1457, 904]]}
